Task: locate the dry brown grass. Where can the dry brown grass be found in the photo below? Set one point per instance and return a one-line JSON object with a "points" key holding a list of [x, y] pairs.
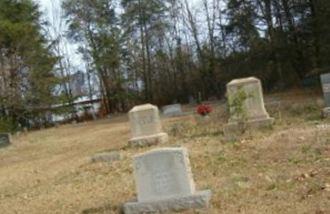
{"points": [[283, 170]]}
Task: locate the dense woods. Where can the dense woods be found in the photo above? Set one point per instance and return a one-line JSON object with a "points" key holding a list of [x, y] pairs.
{"points": [[158, 51]]}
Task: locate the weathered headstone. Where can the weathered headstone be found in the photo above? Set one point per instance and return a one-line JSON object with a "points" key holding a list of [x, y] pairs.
{"points": [[246, 105], [164, 183], [146, 126], [4, 139], [325, 80], [172, 110]]}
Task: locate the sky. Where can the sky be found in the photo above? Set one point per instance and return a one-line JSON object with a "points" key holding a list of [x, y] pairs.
{"points": [[44, 3], [51, 11]]}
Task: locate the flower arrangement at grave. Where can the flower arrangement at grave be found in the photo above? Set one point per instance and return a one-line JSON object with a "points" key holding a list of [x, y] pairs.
{"points": [[204, 109]]}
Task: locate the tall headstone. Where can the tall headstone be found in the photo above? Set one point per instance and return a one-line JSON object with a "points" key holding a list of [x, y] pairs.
{"points": [[172, 110], [4, 139], [164, 183], [146, 126], [325, 81], [246, 105]]}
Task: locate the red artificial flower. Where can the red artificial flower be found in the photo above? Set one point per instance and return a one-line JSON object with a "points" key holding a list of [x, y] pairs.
{"points": [[204, 109]]}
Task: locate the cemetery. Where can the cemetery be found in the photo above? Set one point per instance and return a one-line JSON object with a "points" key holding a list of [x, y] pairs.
{"points": [[93, 168]]}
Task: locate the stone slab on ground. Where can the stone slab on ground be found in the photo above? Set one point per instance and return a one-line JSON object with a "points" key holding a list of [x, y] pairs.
{"points": [[105, 157], [4, 139], [199, 200]]}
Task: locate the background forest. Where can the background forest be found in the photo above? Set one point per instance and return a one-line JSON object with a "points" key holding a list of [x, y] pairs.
{"points": [[157, 51]]}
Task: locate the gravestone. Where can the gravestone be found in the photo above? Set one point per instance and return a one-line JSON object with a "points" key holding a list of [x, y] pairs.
{"points": [[146, 126], [325, 81], [164, 183], [4, 139], [246, 105], [172, 110]]}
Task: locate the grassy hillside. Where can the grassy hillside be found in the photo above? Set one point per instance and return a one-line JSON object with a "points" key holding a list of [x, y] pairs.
{"points": [[283, 170]]}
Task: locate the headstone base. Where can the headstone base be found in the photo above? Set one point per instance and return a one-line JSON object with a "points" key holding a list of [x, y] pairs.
{"points": [[149, 140], [234, 128], [198, 200], [326, 112]]}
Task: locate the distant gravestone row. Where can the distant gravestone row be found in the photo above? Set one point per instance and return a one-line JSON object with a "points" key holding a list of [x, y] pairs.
{"points": [[4, 139]]}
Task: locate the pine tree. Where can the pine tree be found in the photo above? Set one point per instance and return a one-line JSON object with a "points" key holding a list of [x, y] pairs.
{"points": [[26, 78]]}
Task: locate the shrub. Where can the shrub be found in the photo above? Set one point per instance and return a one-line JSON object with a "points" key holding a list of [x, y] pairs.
{"points": [[7, 125]]}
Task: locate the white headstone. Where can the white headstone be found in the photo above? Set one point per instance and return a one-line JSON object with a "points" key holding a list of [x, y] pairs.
{"points": [[172, 110], [246, 103], [163, 173], [248, 91], [164, 182], [146, 125]]}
